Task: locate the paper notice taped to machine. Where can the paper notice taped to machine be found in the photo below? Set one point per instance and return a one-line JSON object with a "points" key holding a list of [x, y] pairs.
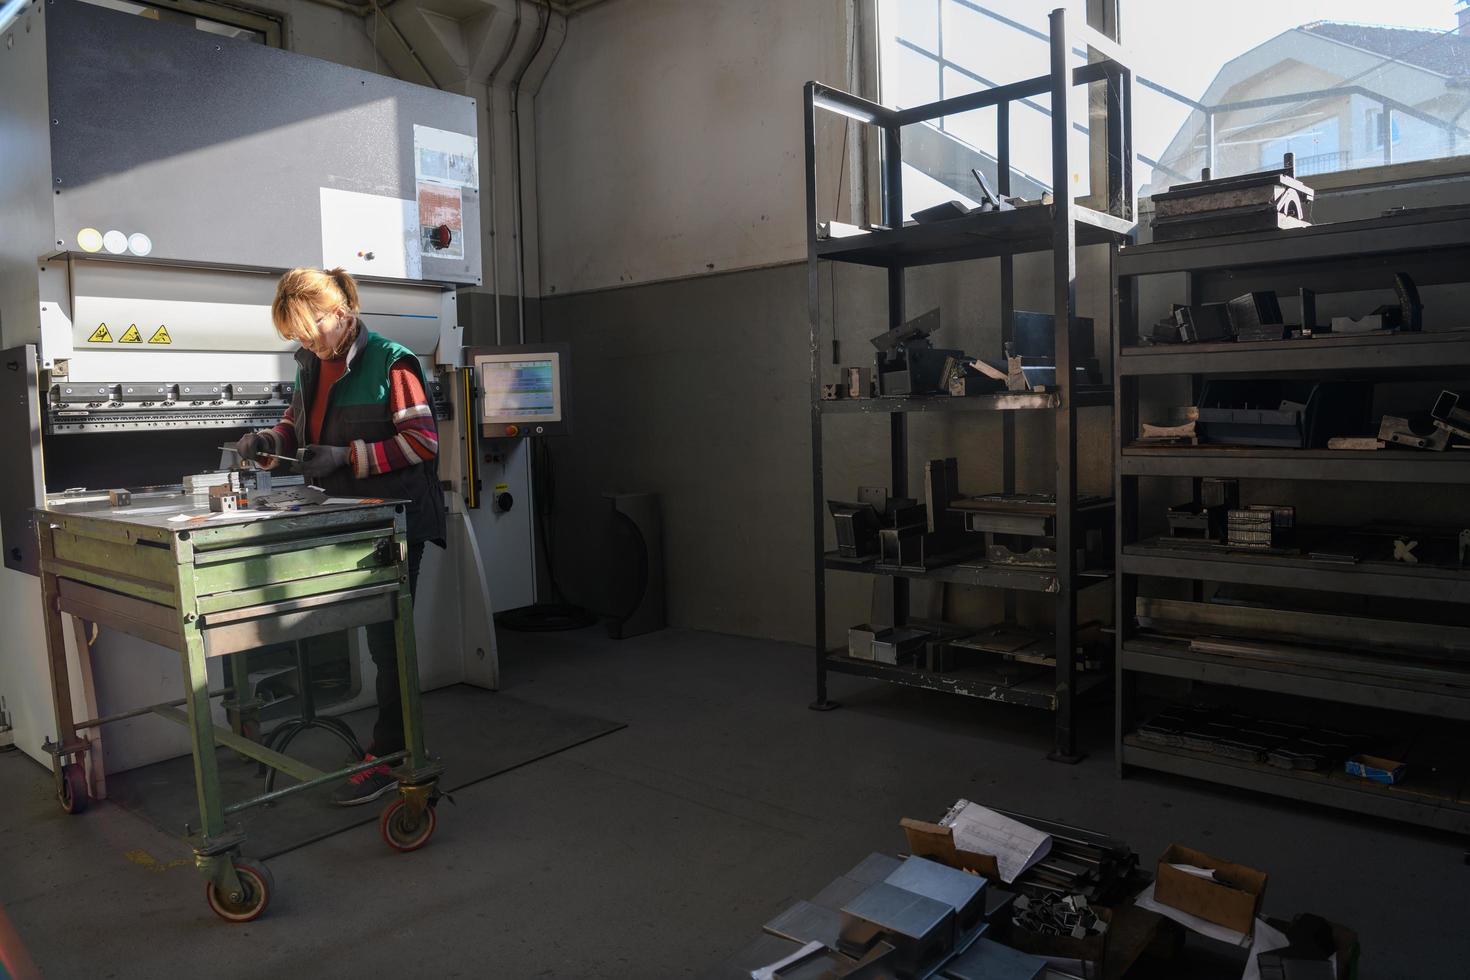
{"points": [[1016, 846], [442, 157]]}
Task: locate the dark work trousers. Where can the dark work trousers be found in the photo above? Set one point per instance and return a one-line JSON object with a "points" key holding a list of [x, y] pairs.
{"points": [[388, 730]]}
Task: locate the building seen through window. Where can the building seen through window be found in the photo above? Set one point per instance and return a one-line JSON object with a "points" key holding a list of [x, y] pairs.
{"points": [[1342, 84]]}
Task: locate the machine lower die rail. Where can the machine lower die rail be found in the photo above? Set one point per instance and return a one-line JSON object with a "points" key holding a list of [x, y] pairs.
{"points": [[166, 569]]}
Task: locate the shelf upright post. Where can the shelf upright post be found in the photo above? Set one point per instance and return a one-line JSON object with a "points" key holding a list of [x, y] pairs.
{"points": [[814, 315], [1125, 497], [1007, 315], [1064, 284], [898, 436]]}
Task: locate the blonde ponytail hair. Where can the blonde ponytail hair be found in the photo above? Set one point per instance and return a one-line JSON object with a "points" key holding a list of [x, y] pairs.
{"points": [[304, 295]]}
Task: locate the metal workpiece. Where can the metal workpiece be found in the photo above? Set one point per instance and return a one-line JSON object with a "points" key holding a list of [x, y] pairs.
{"points": [[168, 569], [961, 891], [921, 929], [895, 244]]}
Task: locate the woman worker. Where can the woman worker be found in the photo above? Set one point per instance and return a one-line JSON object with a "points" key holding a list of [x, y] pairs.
{"points": [[362, 411]]}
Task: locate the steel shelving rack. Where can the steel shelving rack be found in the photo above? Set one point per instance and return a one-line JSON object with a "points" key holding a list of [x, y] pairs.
{"points": [[1434, 247], [1060, 228]]}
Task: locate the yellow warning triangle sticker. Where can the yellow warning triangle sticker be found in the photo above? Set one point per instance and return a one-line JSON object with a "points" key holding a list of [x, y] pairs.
{"points": [[160, 336], [100, 335], [131, 335]]}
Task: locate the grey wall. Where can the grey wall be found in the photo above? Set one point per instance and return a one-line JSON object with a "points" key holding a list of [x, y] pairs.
{"points": [[669, 137]]}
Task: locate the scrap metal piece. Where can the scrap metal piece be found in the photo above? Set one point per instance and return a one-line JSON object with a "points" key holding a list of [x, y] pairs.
{"points": [[1401, 432], [291, 498], [1448, 414], [1256, 316], [1403, 550], [1203, 323], [1370, 323]]}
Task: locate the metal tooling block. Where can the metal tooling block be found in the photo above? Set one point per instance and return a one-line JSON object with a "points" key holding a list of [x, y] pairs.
{"points": [[898, 644], [989, 960], [806, 922], [1252, 312], [201, 482], [959, 890], [920, 929]]}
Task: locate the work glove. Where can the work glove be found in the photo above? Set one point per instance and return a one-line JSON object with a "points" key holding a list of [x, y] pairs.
{"points": [[318, 461], [251, 445]]}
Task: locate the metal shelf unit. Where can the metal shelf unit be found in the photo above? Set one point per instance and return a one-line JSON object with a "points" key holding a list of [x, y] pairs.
{"points": [[1060, 228], [1435, 248]]}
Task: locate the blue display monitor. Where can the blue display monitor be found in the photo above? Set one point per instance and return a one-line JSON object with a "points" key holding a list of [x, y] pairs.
{"points": [[521, 391]]}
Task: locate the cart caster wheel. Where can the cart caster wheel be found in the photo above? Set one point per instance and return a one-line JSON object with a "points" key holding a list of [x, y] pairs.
{"points": [[73, 793], [400, 831], [258, 885]]}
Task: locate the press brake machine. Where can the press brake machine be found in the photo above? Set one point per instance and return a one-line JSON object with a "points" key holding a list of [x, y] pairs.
{"points": [[158, 179]]}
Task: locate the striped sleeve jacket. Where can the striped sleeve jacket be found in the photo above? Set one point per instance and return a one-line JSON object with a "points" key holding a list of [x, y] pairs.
{"points": [[417, 440]]}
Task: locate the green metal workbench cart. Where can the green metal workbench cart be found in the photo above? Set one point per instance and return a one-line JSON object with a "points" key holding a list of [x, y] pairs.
{"points": [[165, 569]]}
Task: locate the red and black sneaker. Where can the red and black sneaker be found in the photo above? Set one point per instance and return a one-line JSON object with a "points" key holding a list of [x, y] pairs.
{"points": [[366, 786]]}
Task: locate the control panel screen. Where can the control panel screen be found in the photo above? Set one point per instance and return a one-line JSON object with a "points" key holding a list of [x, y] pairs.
{"points": [[520, 388]]}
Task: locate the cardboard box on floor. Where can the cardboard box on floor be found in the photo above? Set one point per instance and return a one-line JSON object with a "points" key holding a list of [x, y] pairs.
{"points": [[1233, 902]]}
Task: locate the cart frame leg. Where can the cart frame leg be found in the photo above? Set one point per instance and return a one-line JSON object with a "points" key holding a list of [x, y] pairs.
{"points": [[418, 777], [69, 748]]}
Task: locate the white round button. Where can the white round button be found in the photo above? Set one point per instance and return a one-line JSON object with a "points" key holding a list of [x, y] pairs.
{"points": [[89, 240], [139, 243], [115, 242]]}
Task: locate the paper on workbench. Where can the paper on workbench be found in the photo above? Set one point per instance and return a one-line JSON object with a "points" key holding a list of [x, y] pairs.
{"points": [[1194, 923], [1015, 846]]}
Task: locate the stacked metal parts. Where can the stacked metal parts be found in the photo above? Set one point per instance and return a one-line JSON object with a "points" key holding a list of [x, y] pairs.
{"points": [[1272, 200], [893, 919]]}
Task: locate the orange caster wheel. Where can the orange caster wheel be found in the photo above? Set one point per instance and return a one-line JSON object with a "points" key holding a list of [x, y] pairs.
{"points": [[256, 886], [402, 831], [73, 793]]}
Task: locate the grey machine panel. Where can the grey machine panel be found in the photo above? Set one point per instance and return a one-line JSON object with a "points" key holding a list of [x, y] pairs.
{"points": [[20, 447], [231, 172]]}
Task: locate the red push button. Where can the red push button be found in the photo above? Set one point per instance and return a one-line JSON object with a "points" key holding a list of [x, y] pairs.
{"points": [[512, 430]]}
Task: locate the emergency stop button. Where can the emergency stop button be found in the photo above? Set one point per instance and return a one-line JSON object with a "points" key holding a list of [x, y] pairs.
{"points": [[512, 430]]}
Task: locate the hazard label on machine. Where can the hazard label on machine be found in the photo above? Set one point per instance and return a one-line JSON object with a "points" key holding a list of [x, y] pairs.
{"points": [[131, 335], [160, 336], [100, 335]]}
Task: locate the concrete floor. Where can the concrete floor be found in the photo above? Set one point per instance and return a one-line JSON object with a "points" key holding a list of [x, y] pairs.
{"points": [[659, 850]]}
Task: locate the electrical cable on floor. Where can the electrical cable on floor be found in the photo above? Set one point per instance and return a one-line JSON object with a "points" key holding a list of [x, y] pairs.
{"points": [[557, 615]]}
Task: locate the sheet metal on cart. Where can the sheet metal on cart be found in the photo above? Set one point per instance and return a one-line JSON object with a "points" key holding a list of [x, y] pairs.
{"points": [[158, 180]]}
